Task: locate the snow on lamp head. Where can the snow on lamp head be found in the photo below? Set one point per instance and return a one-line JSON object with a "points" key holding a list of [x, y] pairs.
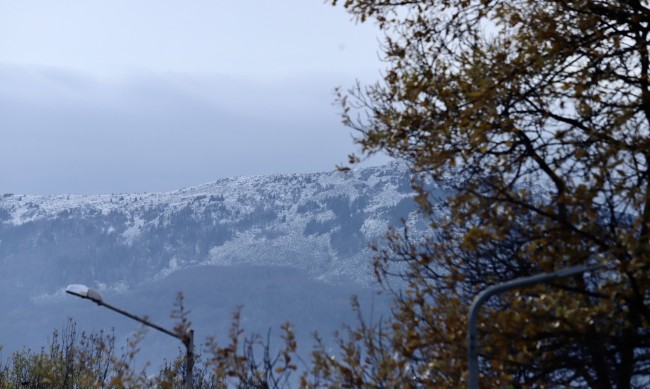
{"points": [[85, 292]]}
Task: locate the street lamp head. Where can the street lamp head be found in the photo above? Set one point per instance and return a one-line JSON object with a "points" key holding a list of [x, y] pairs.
{"points": [[85, 292]]}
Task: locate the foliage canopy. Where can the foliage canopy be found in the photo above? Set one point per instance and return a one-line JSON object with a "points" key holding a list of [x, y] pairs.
{"points": [[541, 112]]}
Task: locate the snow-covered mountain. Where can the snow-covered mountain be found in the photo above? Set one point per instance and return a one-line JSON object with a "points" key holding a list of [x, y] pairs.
{"points": [[321, 223], [288, 247]]}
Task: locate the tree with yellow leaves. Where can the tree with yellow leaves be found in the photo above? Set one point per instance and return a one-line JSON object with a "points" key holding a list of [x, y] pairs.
{"points": [[541, 112]]}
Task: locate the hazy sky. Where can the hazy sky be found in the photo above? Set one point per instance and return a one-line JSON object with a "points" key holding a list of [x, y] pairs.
{"points": [[153, 95]]}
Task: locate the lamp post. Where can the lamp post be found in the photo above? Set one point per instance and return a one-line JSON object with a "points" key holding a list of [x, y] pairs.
{"points": [[187, 339], [472, 349]]}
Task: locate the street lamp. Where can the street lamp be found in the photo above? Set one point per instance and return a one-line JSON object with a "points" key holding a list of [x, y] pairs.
{"points": [[472, 348], [188, 338]]}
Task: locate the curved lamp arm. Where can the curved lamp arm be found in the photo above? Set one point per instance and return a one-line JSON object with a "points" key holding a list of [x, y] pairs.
{"points": [[187, 339], [472, 348]]}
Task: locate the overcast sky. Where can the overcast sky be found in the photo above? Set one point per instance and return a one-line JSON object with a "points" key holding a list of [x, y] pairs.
{"points": [[155, 95]]}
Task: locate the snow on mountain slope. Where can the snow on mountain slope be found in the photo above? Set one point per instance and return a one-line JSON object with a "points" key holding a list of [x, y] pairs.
{"points": [[321, 223]]}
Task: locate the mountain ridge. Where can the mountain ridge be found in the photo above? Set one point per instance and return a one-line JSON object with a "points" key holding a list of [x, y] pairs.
{"points": [[318, 222]]}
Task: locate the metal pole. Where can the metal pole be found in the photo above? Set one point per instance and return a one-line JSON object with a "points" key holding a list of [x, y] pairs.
{"points": [[472, 349], [189, 358]]}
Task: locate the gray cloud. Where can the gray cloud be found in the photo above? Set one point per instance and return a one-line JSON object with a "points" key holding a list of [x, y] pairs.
{"points": [[63, 131]]}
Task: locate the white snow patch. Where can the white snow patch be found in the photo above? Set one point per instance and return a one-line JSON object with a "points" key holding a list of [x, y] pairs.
{"points": [[133, 231]]}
